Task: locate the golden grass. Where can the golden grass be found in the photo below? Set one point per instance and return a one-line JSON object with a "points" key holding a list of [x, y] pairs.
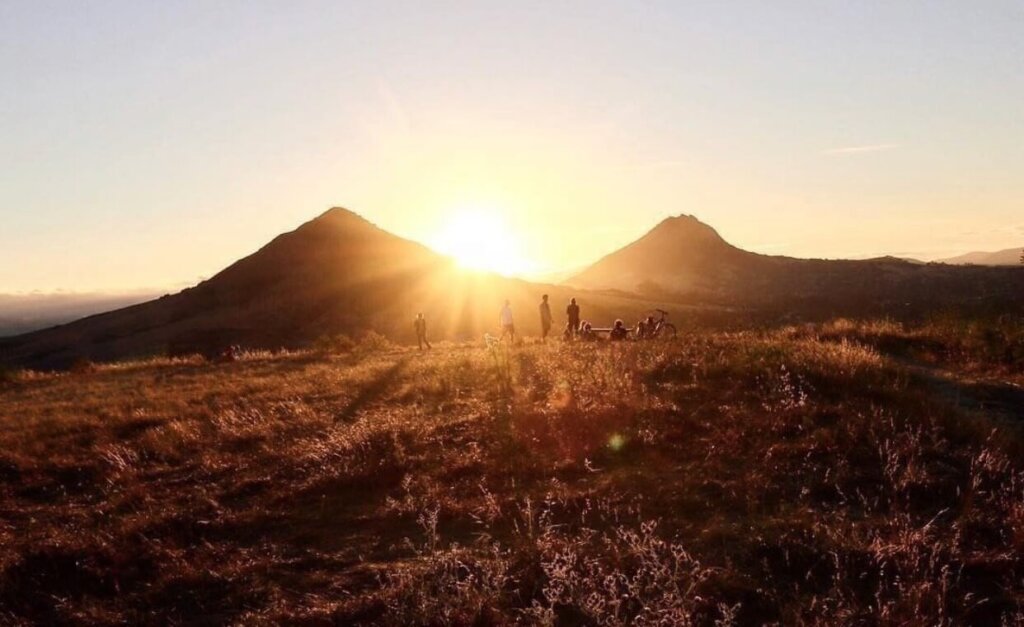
{"points": [[790, 477]]}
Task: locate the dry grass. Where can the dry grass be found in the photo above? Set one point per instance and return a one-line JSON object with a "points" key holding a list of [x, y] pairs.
{"points": [[981, 345], [791, 477]]}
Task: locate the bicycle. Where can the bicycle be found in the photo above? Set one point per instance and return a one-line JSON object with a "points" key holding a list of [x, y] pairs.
{"points": [[663, 329]]}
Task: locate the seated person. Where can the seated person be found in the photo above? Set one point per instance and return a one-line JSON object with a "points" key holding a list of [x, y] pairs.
{"points": [[649, 327], [641, 329], [618, 332], [587, 332]]}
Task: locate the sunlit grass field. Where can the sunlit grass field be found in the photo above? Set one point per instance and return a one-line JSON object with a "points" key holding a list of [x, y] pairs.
{"points": [[847, 473]]}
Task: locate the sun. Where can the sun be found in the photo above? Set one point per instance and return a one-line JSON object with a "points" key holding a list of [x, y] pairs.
{"points": [[479, 238]]}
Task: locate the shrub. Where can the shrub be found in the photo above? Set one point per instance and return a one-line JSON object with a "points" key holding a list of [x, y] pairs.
{"points": [[372, 341], [9, 375], [337, 343], [83, 366]]}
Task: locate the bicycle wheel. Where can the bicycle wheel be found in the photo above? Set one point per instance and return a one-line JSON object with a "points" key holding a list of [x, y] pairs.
{"points": [[667, 331]]}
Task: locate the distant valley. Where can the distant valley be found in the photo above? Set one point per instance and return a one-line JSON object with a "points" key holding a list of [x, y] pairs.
{"points": [[22, 313]]}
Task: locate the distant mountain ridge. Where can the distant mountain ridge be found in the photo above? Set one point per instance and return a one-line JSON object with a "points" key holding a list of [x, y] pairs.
{"points": [[1006, 257]]}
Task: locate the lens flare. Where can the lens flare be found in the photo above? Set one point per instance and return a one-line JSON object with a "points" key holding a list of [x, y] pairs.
{"points": [[479, 238], [616, 442]]}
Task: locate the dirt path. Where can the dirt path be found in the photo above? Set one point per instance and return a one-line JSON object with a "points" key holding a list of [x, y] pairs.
{"points": [[995, 397]]}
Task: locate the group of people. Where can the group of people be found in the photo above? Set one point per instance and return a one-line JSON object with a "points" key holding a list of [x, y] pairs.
{"points": [[575, 327]]}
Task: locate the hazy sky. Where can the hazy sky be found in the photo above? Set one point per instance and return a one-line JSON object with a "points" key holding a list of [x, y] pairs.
{"points": [[152, 143]]}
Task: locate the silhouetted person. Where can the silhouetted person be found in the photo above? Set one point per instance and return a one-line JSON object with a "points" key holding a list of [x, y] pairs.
{"points": [[618, 332], [421, 330], [573, 313], [545, 318], [505, 318], [645, 329]]}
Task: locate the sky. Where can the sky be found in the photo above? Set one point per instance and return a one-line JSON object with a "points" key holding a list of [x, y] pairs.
{"points": [[151, 143]]}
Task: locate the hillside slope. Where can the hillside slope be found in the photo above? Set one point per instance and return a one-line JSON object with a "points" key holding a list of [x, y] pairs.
{"points": [[330, 273], [335, 274]]}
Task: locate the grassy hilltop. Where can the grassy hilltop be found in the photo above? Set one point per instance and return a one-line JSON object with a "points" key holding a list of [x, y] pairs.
{"points": [[837, 474]]}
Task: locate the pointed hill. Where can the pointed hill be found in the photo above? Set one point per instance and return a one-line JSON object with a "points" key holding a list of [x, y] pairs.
{"points": [[681, 255], [328, 274], [684, 260]]}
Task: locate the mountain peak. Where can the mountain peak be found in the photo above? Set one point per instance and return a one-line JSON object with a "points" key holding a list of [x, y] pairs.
{"points": [[680, 254], [336, 212], [339, 215], [685, 229], [681, 218], [340, 222]]}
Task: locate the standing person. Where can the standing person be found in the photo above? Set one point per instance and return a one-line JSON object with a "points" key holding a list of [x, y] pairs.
{"points": [[505, 318], [545, 318], [573, 313], [421, 330]]}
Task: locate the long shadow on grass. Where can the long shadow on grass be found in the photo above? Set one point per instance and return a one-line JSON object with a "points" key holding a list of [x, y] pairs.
{"points": [[371, 392], [995, 398], [999, 399], [336, 513]]}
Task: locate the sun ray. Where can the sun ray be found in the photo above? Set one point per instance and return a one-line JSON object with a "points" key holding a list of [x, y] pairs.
{"points": [[480, 238]]}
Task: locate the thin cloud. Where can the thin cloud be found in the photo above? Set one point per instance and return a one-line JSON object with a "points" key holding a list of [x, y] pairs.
{"points": [[851, 150]]}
